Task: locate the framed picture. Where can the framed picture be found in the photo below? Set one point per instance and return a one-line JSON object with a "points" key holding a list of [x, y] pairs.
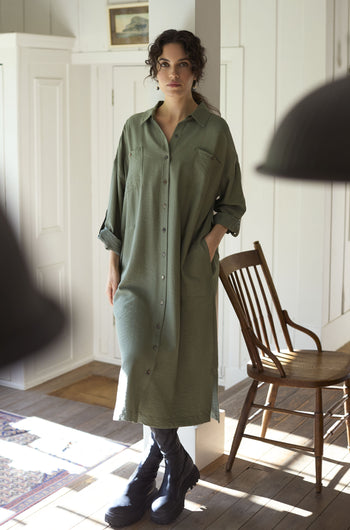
{"points": [[128, 24]]}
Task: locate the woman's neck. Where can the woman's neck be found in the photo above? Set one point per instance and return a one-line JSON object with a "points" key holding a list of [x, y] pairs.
{"points": [[176, 110]]}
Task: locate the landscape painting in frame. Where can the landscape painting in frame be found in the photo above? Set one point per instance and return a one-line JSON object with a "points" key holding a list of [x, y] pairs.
{"points": [[128, 24]]}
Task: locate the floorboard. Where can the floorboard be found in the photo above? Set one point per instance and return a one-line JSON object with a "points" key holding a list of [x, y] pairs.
{"points": [[268, 487]]}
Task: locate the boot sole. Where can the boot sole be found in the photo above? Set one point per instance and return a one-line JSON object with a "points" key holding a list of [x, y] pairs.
{"points": [[127, 519], [189, 483]]}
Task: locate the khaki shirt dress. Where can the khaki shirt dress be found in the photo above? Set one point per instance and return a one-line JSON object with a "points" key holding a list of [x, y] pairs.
{"points": [[164, 199]]}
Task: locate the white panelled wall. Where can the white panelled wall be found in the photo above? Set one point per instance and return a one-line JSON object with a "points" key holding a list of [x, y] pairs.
{"points": [[273, 52], [290, 47]]}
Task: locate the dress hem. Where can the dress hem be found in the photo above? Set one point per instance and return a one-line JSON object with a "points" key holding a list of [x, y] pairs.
{"points": [[174, 424]]}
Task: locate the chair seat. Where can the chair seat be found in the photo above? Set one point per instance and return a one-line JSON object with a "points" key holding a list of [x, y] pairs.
{"points": [[305, 368]]}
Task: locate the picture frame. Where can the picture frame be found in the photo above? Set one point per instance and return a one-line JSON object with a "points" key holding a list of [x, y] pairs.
{"points": [[128, 24]]}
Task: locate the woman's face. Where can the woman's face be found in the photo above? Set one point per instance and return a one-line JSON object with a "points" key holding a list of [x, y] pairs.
{"points": [[175, 76]]}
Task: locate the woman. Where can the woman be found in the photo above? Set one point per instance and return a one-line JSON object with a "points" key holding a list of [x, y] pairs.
{"points": [[176, 190]]}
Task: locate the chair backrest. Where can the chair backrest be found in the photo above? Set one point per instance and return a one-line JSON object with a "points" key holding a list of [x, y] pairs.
{"points": [[250, 288]]}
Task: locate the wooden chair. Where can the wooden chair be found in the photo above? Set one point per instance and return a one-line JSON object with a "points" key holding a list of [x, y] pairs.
{"points": [[250, 288]]}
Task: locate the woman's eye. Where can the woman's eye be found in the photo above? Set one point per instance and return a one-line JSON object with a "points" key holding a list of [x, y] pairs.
{"points": [[163, 65], [184, 65]]}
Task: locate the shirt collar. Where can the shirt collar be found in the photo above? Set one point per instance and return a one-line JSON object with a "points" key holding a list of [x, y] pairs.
{"points": [[201, 114], [147, 114]]}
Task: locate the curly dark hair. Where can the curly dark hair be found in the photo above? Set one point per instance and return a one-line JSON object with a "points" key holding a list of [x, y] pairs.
{"points": [[194, 51], [190, 43]]}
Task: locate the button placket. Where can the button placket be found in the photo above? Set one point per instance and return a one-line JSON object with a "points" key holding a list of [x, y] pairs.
{"points": [[162, 283]]}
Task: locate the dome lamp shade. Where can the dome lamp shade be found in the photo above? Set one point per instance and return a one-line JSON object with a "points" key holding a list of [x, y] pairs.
{"points": [[312, 141]]}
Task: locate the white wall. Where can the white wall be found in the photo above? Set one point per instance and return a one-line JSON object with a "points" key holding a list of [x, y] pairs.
{"points": [[288, 219], [290, 47], [84, 19]]}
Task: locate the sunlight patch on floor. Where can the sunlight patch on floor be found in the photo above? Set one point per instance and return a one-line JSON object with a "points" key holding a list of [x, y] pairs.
{"points": [[256, 499], [193, 506]]}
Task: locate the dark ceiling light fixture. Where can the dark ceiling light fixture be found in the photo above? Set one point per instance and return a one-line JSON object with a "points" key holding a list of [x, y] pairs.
{"points": [[312, 142]]}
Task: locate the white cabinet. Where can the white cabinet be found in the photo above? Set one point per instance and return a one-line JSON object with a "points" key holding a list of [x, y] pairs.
{"points": [[35, 179]]}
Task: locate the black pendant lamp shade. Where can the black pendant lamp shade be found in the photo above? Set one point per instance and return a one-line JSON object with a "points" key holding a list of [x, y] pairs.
{"points": [[313, 140], [29, 320]]}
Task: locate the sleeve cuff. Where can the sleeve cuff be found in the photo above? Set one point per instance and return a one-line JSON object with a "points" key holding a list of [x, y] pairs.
{"points": [[110, 241], [232, 224]]}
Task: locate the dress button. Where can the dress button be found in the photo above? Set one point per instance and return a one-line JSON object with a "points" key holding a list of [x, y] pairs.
{"points": [[163, 229], [164, 205], [155, 347], [162, 302], [147, 372], [166, 157], [163, 276], [163, 254]]}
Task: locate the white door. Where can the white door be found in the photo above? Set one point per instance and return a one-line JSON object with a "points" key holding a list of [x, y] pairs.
{"points": [[129, 95], [46, 193]]}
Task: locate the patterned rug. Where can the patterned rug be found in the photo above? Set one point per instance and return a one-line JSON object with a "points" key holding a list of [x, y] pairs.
{"points": [[38, 457]]}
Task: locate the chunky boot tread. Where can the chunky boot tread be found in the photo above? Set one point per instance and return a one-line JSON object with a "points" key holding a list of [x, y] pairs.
{"points": [[125, 516]]}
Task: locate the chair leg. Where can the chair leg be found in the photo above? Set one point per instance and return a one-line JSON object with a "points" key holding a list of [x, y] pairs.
{"points": [[347, 410], [242, 423], [318, 437], [270, 401]]}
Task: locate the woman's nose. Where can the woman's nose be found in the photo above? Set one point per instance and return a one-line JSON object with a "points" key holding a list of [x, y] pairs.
{"points": [[174, 71]]}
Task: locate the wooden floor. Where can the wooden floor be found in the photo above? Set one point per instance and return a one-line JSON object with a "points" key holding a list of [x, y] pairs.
{"points": [[268, 487]]}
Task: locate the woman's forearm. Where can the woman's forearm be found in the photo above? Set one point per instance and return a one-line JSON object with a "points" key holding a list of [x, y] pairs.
{"points": [[113, 275], [114, 260], [214, 238]]}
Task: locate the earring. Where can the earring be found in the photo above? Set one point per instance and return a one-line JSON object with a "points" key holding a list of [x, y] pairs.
{"points": [[194, 84]]}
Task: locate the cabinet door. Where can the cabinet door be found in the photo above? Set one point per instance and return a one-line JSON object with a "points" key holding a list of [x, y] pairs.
{"points": [[45, 197]]}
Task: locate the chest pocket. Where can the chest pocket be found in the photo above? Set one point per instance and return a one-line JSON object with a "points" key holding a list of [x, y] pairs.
{"points": [[206, 174], [207, 161], [134, 174]]}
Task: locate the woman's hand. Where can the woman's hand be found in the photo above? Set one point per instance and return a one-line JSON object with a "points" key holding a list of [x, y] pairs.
{"points": [[113, 276], [213, 239]]}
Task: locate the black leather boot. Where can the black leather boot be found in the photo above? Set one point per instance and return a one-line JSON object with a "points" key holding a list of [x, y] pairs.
{"points": [[180, 475], [139, 492]]}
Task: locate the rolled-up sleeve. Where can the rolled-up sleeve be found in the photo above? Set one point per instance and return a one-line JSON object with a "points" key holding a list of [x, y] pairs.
{"points": [[110, 232], [230, 204]]}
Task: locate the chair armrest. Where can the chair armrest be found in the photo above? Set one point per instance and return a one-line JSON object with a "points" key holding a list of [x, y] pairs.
{"points": [[269, 353], [302, 329]]}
